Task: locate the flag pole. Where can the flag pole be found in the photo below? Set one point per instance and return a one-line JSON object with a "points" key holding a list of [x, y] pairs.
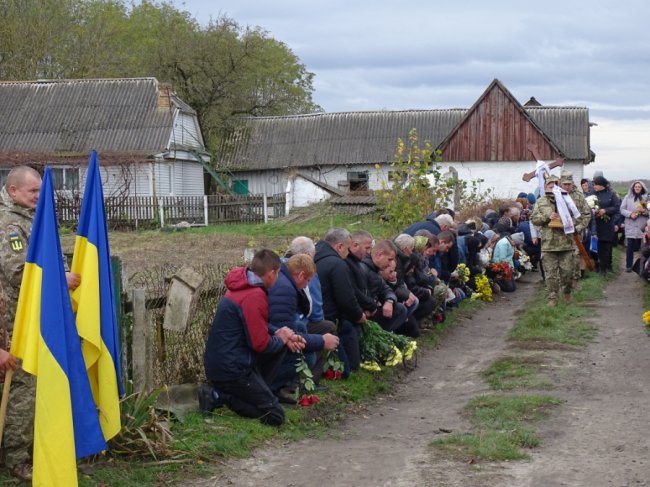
{"points": [[5, 400]]}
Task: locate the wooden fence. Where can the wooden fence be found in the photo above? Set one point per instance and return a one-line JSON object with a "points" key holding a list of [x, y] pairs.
{"points": [[152, 211]]}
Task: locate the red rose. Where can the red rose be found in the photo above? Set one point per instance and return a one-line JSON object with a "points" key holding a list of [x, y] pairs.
{"points": [[304, 400], [330, 375], [313, 399], [338, 375]]}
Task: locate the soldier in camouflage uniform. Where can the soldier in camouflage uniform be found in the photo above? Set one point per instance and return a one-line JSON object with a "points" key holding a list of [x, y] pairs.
{"points": [[18, 201], [578, 197], [558, 248]]}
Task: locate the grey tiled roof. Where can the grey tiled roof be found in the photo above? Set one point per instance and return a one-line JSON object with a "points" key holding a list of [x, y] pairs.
{"points": [[74, 116], [349, 138]]}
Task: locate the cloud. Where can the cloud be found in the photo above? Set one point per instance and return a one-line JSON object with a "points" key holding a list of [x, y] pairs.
{"points": [[373, 55]]}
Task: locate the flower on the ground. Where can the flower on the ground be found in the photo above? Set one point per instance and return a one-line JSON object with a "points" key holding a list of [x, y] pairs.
{"points": [[395, 358], [502, 269], [382, 347], [333, 367], [410, 350], [646, 318], [483, 288], [308, 400], [371, 366]]}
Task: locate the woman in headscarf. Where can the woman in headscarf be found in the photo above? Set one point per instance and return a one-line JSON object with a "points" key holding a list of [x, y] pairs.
{"points": [[635, 210]]}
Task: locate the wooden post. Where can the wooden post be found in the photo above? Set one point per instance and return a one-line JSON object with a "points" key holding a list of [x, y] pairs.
{"points": [[142, 336], [161, 214], [265, 202], [205, 210]]}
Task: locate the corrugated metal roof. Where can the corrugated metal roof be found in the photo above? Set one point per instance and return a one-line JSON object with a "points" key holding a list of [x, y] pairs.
{"points": [[128, 116], [371, 137], [332, 138]]}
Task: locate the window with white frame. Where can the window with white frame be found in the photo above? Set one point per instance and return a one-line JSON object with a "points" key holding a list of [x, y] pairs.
{"points": [[65, 178]]}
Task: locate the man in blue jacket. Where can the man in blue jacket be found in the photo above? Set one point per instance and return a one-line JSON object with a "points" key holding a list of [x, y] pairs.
{"points": [[286, 301], [243, 351]]}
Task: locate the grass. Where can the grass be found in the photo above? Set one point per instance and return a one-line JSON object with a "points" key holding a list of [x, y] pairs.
{"points": [[519, 372], [501, 430], [568, 324], [315, 228], [199, 441], [501, 423]]}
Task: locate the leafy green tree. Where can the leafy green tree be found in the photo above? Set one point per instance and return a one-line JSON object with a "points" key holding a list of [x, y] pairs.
{"points": [[223, 71]]}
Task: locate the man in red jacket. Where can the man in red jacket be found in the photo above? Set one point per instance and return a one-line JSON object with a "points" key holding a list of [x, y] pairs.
{"points": [[243, 350]]}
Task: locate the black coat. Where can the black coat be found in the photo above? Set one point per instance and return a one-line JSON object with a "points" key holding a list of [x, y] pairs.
{"points": [[360, 283], [611, 203], [339, 301], [377, 287]]}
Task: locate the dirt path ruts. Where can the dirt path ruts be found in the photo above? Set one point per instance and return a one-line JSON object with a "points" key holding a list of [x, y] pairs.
{"points": [[601, 436]]}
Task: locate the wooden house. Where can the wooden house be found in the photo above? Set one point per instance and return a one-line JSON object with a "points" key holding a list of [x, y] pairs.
{"points": [[148, 140], [313, 157]]}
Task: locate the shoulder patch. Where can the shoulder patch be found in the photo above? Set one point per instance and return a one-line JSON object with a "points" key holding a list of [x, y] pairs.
{"points": [[16, 242]]}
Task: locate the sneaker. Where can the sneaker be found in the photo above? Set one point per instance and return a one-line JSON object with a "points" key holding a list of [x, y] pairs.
{"points": [[209, 399], [629, 269], [23, 471]]}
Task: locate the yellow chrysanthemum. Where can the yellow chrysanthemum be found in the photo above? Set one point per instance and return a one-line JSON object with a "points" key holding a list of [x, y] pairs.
{"points": [[395, 358], [410, 349], [371, 366], [646, 318]]}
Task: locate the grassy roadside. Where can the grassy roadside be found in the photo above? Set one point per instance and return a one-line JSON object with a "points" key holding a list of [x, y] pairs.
{"points": [[501, 422], [201, 442]]}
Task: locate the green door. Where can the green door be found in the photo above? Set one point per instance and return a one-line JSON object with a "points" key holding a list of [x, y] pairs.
{"points": [[240, 186]]}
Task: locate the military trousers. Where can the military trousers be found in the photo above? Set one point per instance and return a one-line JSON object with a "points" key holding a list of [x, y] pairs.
{"points": [[559, 269]]}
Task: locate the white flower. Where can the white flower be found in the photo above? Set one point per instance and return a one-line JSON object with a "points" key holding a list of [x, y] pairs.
{"points": [[592, 201]]}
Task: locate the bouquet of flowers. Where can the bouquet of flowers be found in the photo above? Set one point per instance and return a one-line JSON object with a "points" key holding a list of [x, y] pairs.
{"points": [[381, 347], [483, 288], [333, 367], [307, 385], [592, 201], [524, 260], [501, 270], [463, 273]]}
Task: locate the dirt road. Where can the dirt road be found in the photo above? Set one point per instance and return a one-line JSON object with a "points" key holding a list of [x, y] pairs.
{"points": [[598, 437]]}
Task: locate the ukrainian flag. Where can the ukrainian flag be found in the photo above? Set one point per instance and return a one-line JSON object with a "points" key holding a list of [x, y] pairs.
{"points": [[93, 301], [65, 423]]}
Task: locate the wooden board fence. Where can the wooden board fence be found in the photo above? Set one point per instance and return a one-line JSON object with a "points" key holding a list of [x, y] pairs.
{"points": [[151, 211]]}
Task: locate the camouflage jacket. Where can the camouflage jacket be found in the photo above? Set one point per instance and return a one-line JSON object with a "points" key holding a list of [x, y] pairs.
{"points": [[553, 239], [578, 198], [15, 229]]}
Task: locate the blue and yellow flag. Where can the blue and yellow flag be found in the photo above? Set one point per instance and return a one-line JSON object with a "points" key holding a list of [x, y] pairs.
{"points": [[94, 303], [66, 426]]}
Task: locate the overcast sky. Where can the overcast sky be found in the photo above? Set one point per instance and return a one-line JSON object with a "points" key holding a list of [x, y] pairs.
{"points": [[380, 54]]}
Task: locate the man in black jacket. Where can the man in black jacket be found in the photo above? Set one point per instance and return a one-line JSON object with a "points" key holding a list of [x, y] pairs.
{"points": [[340, 304], [360, 247], [391, 314]]}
